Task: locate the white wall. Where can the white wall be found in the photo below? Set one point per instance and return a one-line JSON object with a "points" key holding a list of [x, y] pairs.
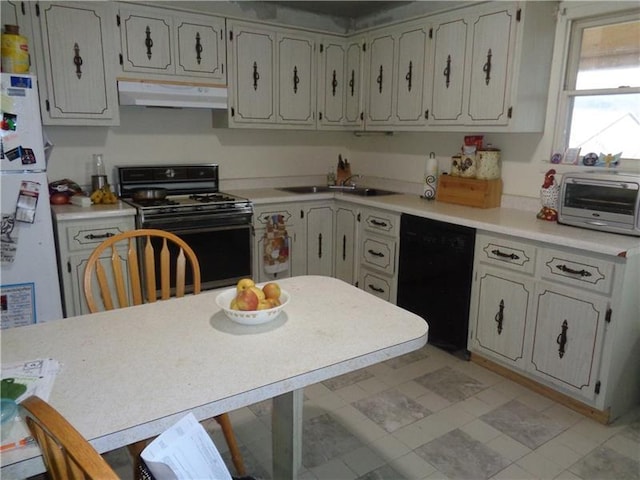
{"points": [[162, 136]]}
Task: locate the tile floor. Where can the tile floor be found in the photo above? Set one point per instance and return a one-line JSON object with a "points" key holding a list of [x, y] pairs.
{"points": [[431, 415]]}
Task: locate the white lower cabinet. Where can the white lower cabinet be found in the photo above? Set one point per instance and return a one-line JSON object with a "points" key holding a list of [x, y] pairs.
{"points": [[346, 229], [75, 241], [318, 221], [378, 253], [563, 320]]}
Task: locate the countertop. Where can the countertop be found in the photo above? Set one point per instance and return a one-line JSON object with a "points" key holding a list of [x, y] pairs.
{"points": [[73, 212], [507, 221]]}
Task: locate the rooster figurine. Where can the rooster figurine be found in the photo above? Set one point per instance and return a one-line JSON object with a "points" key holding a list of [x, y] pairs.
{"points": [[549, 194]]}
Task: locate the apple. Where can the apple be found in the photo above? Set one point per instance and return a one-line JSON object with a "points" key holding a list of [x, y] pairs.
{"points": [[247, 300], [274, 302], [271, 290], [234, 304], [264, 304], [260, 294], [244, 283]]}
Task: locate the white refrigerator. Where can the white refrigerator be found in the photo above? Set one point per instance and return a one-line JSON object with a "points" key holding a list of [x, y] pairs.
{"points": [[29, 288]]}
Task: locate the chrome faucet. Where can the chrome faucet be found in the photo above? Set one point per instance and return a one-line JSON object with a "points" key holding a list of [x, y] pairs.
{"points": [[348, 182]]}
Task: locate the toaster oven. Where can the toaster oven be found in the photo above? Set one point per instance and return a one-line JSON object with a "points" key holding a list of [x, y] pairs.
{"points": [[607, 201]]}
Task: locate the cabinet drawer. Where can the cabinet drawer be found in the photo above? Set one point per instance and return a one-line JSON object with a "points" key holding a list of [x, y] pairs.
{"points": [[379, 253], [376, 285], [577, 270], [382, 223], [505, 253], [261, 217], [87, 237]]}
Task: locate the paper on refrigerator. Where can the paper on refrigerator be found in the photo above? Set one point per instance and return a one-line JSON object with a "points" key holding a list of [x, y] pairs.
{"points": [[185, 451]]}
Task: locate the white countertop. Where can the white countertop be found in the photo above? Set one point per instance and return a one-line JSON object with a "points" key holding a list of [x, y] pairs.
{"points": [[129, 374], [73, 212], [508, 221]]}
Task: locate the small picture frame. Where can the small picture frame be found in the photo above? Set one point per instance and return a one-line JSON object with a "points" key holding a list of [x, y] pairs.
{"points": [[571, 156]]}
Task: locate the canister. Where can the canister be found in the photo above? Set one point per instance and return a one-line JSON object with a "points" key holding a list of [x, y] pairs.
{"points": [[455, 166], [468, 166], [488, 163], [15, 51]]}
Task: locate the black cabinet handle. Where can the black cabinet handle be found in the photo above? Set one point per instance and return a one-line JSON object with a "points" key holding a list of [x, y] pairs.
{"points": [[352, 82], [199, 48], [377, 223], [511, 256], [562, 339], [408, 76], [77, 61], [334, 84], [487, 68], [319, 245], [376, 289], [447, 71], [296, 79], [500, 316], [375, 254], [91, 236], [148, 42], [565, 269], [256, 75], [344, 247], [379, 80]]}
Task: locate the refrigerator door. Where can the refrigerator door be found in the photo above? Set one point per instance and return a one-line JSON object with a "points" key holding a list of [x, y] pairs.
{"points": [[21, 145], [30, 291]]}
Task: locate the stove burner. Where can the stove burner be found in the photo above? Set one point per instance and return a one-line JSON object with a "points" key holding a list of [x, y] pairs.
{"points": [[210, 197]]}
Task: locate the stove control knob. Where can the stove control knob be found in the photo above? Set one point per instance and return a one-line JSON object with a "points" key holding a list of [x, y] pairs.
{"points": [[170, 173]]}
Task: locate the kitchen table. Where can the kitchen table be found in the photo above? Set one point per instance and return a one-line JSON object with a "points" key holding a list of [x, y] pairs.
{"points": [[129, 374]]}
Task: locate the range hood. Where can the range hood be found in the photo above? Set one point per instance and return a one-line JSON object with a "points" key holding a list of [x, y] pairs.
{"points": [[170, 95]]}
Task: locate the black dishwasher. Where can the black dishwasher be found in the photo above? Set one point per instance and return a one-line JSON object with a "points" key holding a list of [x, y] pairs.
{"points": [[434, 277]]}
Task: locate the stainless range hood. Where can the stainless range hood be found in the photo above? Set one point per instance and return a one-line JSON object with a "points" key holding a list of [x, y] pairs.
{"points": [[170, 95]]}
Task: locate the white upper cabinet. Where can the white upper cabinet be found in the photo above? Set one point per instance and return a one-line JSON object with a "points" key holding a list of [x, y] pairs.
{"points": [[296, 78], [272, 77], [396, 88], [339, 83], [491, 66], [160, 44], [76, 61]]}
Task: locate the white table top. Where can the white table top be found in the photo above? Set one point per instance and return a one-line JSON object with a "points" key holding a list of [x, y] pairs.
{"points": [[129, 374]]}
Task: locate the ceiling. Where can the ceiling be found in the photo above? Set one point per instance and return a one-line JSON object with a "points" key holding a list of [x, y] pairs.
{"points": [[344, 9]]}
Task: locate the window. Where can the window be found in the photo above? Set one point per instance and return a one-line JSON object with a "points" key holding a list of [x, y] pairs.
{"points": [[599, 109]]}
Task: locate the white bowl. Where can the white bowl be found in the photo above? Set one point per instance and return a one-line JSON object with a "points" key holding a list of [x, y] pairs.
{"points": [[250, 317]]}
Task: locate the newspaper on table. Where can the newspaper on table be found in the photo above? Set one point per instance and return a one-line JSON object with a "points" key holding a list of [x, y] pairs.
{"points": [[185, 451], [21, 380]]}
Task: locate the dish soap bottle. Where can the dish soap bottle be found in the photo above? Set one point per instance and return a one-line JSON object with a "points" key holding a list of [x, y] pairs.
{"points": [[430, 177]]}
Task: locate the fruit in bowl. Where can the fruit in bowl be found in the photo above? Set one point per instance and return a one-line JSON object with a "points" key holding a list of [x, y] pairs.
{"points": [[252, 304]]}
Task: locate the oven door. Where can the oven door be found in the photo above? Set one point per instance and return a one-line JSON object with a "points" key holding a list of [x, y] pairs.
{"points": [[224, 253]]}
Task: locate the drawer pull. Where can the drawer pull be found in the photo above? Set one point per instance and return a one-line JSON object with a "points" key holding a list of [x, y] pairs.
{"points": [[91, 236], [500, 316], [378, 224], [565, 269], [511, 256], [376, 289], [375, 254], [319, 245], [562, 338], [344, 247]]}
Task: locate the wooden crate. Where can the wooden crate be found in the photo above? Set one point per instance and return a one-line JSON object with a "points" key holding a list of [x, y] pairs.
{"points": [[469, 191]]}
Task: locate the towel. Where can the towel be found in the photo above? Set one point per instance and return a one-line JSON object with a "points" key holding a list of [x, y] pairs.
{"points": [[276, 246]]}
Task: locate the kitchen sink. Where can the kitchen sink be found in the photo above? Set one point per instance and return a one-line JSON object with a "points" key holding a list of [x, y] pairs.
{"points": [[360, 191]]}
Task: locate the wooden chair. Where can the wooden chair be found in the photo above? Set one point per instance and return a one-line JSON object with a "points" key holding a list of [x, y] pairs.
{"points": [[105, 268], [67, 454]]}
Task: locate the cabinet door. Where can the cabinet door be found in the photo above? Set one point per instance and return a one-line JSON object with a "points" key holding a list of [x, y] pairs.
{"points": [[354, 91], [568, 336], [296, 79], [381, 60], [493, 35], [319, 220], [77, 61], [252, 53], [449, 60], [331, 84], [501, 312], [200, 44], [410, 89], [345, 244], [146, 41], [378, 285]]}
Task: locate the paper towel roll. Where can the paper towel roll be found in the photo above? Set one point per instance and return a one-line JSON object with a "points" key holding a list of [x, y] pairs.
{"points": [[430, 177]]}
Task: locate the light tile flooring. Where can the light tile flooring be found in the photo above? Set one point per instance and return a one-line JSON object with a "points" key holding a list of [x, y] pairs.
{"points": [[430, 415]]}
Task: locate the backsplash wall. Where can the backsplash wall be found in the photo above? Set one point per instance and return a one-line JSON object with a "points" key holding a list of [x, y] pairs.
{"points": [[247, 157]]}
